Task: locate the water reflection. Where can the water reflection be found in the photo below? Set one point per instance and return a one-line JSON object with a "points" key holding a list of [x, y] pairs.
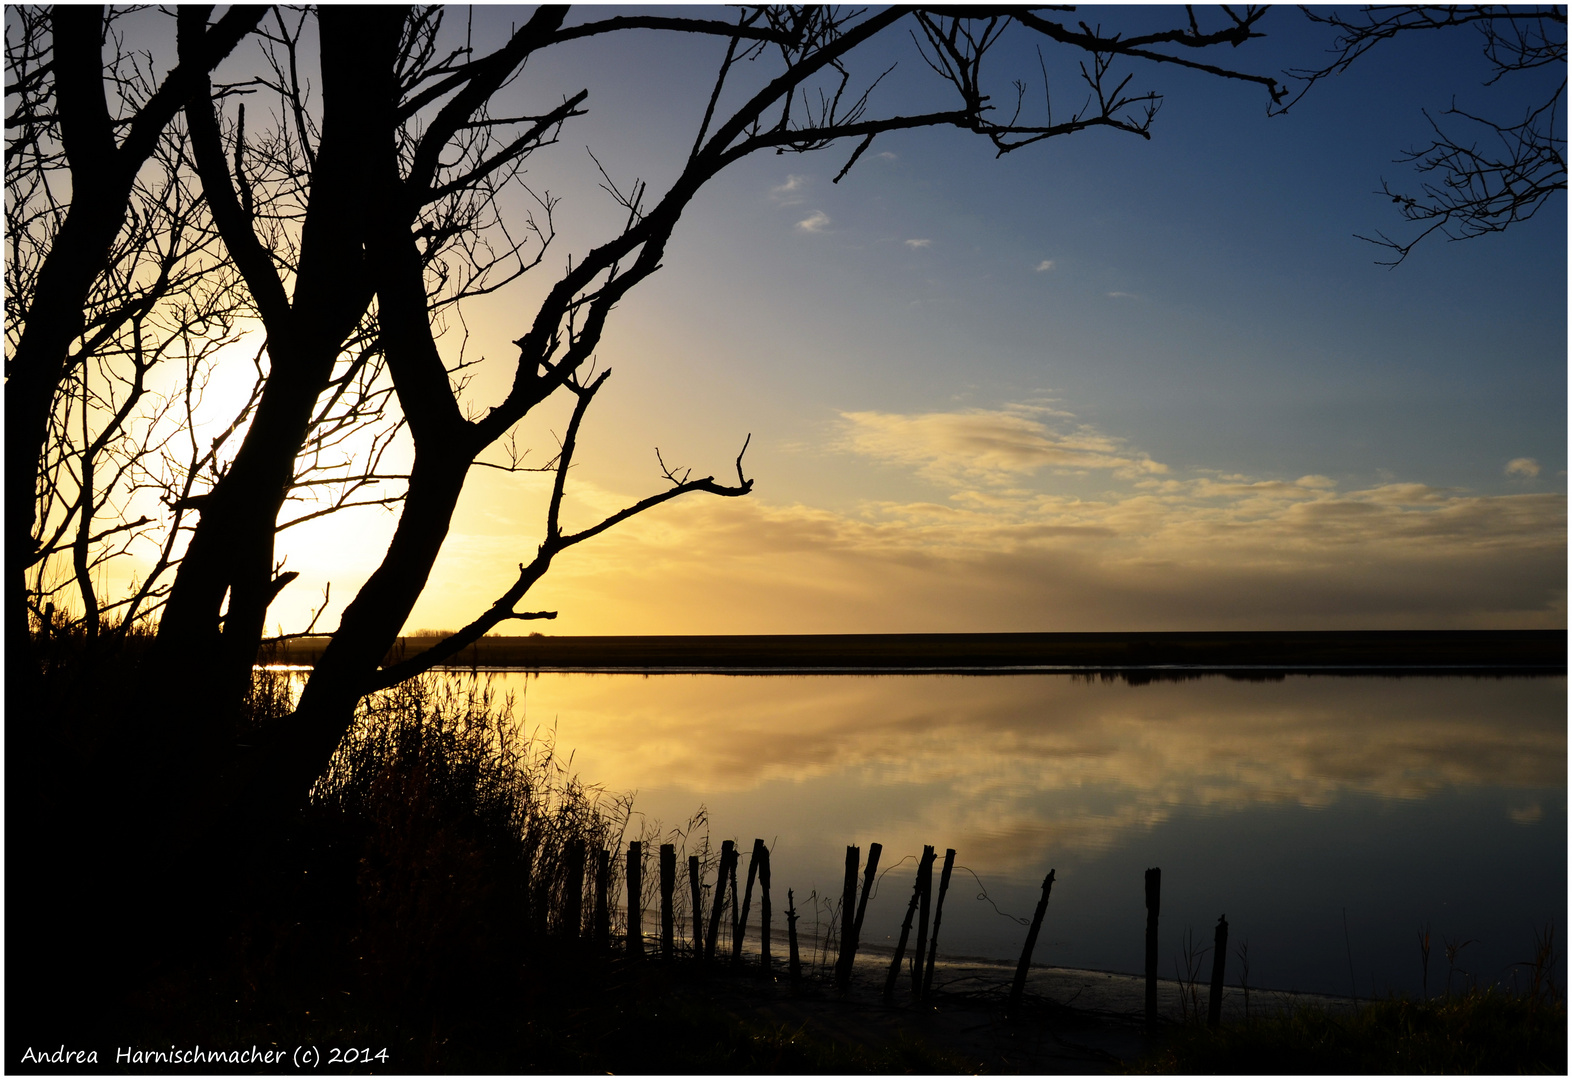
{"points": [[1401, 800]]}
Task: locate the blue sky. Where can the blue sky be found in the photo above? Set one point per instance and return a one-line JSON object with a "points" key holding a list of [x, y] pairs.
{"points": [[1100, 383]]}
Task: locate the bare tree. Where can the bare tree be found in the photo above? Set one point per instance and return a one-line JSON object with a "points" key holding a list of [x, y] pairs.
{"points": [[360, 203], [1479, 174], [62, 118], [363, 211]]}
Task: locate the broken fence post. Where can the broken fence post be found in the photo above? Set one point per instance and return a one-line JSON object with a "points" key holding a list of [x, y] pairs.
{"points": [[635, 898], [793, 962], [938, 913], [1019, 988], [764, 909], [573, 892], [1214, 1006], [862, 902], [848, 927], [1154, 897], [720, 901], [602, 907], [900, 945], [668, 886], [925, 887], [740, 929], [697, 891]]}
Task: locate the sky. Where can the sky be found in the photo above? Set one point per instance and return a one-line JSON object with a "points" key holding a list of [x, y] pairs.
{"points": [[1101, 383]]}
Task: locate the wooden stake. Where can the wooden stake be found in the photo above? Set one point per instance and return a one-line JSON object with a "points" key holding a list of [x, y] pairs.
{"points": [[602, 908], [720, 901], [1021, 969], [736, 857], [794, 964], [668, 886], [740, 930], [573, 891], [696, 889], [900, 946], [1214, 1006], [925, 887], [1154, 897], [848, 926], [862, 903], [764, 909], [635, 898], [938, 913], [542, 900]]}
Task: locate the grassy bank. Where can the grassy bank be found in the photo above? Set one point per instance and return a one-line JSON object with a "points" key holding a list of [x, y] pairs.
{"points": [[432, 909], [1483, 1031], [434, 906]]}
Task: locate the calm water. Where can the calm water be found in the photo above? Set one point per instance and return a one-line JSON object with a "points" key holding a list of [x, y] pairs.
{"points": [[1290, 806]]}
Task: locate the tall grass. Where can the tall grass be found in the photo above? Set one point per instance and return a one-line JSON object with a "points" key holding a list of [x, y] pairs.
{"points": [[1499, 1029]]}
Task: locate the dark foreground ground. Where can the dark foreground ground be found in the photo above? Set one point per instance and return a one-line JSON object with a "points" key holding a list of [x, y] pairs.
{"points": [[610, 1016], [1248, 654]]}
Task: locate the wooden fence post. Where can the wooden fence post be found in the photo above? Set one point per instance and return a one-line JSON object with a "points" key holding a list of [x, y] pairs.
{"points": [[938, 913], [874, 851], [740, 931], [848, 931], [764, 909], [1021, 969], [900, 945], [573, 891], [736, 909], [668, 886], [794, 964], [602, 905], [635, 898], [527, 872], [1214, 1006], [1154, 897], [697, 891], [924, 886], [542, 899], [720, 901]]}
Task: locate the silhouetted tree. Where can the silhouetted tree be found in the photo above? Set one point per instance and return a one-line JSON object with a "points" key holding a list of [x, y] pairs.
{"points": [[62, 240], [353, 221], [402, 171], [1481, 174]]}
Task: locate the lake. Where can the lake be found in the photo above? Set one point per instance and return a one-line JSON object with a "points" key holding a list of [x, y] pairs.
{"points": [[1330, 818]]}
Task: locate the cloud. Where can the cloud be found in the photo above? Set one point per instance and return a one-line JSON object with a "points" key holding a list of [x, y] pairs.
{"points": [[1046, 264], [791, 192], [1189, 559], [1002, 545], [991, 447], [1527, 815], [1525, 467], [815, 222], [915, 244], [887, 156], [1116, 295]]}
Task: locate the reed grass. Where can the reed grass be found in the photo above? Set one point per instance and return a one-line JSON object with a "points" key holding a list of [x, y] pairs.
{"points": [[1481, 1031], [1510, 1027]]}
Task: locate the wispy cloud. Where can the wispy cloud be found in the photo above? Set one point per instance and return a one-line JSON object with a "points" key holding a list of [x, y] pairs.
{"points": [[815, 222], [1526, 467], [915, 244], [1044, 266], [1002, 545], [791, 192], [1117, 295], [1193, 557], [988, 446]]}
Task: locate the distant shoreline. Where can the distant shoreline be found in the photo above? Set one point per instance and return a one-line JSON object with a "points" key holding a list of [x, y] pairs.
{"points": [[1245, 654]]}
